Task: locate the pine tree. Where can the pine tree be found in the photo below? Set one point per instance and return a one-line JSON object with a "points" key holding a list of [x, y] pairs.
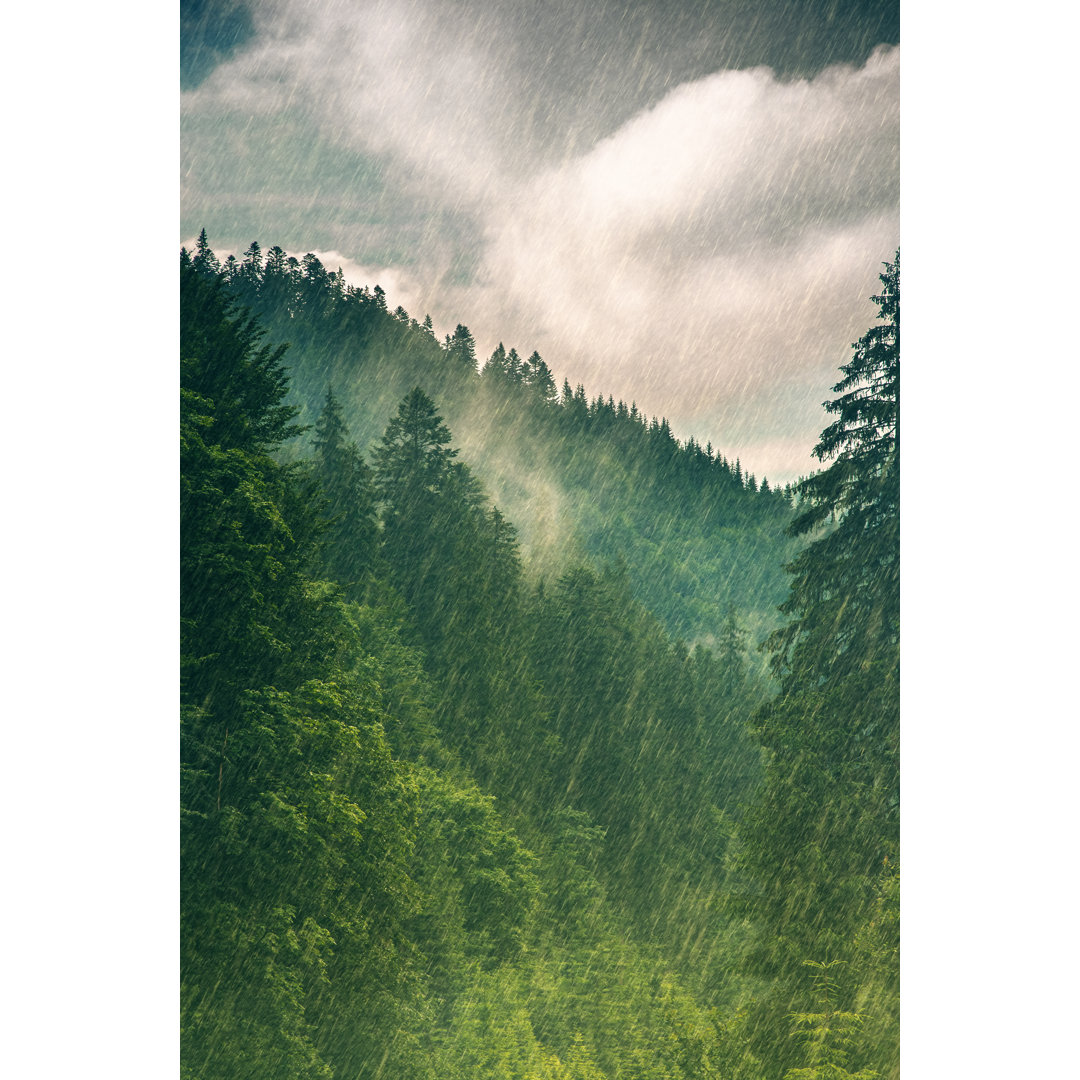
{"points": [[205, 261], [426, 498], [296, 822], [462, 347], [252, 266], [827, 815], [349, 543], [237, 513], [514, 366], [414, 457], [497, 366]]}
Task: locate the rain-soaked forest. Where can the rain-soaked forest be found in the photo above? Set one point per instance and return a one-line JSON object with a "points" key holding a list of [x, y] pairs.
{"points": [[519, 738]]}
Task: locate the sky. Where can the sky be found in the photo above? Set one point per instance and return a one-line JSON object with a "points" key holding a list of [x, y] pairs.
{"points": [[684, 205]]}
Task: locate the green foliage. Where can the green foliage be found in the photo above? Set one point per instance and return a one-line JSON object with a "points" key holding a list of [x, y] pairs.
{"points": [[452, 810], [828, 1034], [296, 823], [580, 480], [479, 863], [713, 1047], [827, 817], [349, 545]]}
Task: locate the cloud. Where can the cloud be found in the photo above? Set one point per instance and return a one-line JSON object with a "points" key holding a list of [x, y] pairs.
{"points": [[713, 254], [705, 248], [210, 32]]}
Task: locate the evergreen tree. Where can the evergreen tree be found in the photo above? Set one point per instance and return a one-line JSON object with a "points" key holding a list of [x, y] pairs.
{"points": [[428, 504], [238, 515], [414, 460], [348, 546], [462, 347], [353, 901], [514, 368], [497, 366], [296, 823], [252, 267], [205, 261], [827, 817]]}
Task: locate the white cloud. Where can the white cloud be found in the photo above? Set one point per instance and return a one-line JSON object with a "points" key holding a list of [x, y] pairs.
{"points": [[712, 257]]}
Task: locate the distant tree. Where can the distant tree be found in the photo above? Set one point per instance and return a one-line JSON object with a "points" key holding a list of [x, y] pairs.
{"points": [[348, 546], [314, 270], [461, 347], [252, 267], [414, 458], [537, 376], [204, 260], [514, 366], [426, 499], [497, 366]]}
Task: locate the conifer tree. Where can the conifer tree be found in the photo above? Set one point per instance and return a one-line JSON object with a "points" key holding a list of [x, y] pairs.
{"points": [[296, 823], [827, 816], [462, 347], [414, 458], [427, 499], [497, 366], [205, 261], [349, 543], [252, 267]]}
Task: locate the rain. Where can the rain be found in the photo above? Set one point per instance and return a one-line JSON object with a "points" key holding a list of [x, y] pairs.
{"points": [[687, 209], [539, 518]]}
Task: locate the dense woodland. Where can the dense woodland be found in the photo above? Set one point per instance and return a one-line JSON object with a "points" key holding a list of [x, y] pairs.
{"points": [[464, 801]]}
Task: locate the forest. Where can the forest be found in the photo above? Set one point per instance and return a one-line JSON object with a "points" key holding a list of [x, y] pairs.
{"points": [[520, 739]]}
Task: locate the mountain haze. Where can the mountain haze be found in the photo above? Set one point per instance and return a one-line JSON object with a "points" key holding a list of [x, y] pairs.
{"points": [[579, 476]]}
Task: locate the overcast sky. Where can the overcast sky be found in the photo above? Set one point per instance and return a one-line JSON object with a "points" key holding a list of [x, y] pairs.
{"points": [[686, 208]]}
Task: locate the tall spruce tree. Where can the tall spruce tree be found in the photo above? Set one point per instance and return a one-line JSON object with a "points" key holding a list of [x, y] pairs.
{"points": [[462, 347], [826, 823], [426, 498], [348, 547], [414, 457], [238, 514], [296, 823]]}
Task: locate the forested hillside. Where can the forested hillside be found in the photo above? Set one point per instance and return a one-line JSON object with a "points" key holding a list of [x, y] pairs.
{"points": [[581, 477], [459, 802]]}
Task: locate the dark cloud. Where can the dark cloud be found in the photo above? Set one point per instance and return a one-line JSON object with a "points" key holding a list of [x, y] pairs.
{"points": [[610, 59], [210, 32], [683, 204]]}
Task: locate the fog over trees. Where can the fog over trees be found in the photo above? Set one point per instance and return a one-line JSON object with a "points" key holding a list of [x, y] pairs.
{"points": [[483, 773]]}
